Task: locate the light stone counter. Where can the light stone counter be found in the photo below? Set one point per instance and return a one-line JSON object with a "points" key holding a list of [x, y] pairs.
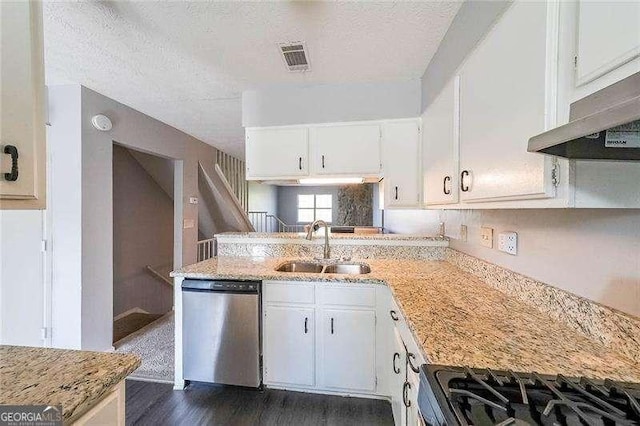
{"points": [[74, 379], [457, 318]]}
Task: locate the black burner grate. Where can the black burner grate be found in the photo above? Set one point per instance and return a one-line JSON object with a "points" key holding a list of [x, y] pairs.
{"points": [[485, 397]]}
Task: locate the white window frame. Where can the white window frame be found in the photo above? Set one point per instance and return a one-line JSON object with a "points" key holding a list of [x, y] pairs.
{"points": [[315, 207]]}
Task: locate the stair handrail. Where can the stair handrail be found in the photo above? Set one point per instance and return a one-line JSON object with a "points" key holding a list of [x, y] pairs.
{"points": [[158, 275]]}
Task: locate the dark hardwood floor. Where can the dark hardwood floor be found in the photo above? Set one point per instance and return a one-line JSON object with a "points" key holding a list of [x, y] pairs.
{"points": [[158, 404]]}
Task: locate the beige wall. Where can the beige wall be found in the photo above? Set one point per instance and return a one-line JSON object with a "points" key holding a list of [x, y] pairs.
{"points": [[592, 253], [142, 235]]}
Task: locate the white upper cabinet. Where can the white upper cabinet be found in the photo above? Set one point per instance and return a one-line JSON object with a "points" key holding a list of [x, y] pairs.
{"points": [[277, 152], [22, 127], [440, 154], [345, 149], [607, 39], [401, 163], [505, 98]]}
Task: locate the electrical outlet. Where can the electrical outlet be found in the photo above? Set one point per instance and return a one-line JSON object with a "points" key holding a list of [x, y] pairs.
{"points": [[508, 242], [486, 237], [463, 233]]}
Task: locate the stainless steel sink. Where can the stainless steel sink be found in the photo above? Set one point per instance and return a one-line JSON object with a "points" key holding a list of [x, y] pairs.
{"points": [[347, 268], [297, 266], [316, 268]]}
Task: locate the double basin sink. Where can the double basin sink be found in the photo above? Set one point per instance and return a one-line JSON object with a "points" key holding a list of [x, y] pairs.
{"points": [[317, 268]]}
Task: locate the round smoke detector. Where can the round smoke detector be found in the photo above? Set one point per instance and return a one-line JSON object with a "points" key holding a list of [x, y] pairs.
{"points": [[101, 122]]}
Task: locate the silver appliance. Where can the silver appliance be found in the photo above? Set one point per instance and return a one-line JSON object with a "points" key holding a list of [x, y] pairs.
{"points": [[221, 332], [602, 126]]}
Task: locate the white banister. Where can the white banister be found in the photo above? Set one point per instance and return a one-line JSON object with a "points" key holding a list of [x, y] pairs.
{"points": [[206, 249]]}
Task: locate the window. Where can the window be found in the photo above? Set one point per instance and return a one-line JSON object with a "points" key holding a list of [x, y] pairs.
{"points": [[313, 207]]}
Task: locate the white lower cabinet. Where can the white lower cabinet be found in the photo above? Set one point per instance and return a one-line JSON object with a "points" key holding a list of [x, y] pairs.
{"points": [[414, 417], [398, 373], [348, 350], [289, 342], [341, 338], [110, 410], [336, 353]]}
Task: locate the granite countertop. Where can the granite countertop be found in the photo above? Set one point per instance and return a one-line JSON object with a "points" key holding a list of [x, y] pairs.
{"points": [[458, 319], [74, 379], [333, 236]]}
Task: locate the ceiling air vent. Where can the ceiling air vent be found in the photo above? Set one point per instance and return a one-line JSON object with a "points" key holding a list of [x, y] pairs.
{"points": [[295, 56]]}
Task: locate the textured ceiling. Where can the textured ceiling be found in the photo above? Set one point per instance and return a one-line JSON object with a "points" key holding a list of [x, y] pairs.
{"points": [[187, 63]]}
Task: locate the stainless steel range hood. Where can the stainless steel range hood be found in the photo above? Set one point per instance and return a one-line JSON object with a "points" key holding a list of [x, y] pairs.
{"points": [[602, 126]]}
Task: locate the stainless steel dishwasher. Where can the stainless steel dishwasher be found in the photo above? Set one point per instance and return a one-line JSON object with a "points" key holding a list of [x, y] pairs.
{"points": [[221, 332]]}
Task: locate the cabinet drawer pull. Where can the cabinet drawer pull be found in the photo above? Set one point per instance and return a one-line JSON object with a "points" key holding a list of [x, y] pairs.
{"points": [[396, 369], [444, 185], [394, 315], [13, 152], [411, 356], [463, 187], [306, 329], [323, 161], [405, 396], [331, 325], [300, 163], [396, 192]]}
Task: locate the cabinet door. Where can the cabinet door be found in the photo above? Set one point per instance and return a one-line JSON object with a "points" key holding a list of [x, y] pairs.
{"points": [[277, 153], [398, 373], [348, 350], [350, 149], [22, 128], [608, 37], [440, 137], [289, 345], [504, 100], [413, 412], [401, 163]]}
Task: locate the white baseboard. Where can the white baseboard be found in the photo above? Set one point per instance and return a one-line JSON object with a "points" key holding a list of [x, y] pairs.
{"points": [[130, 311]]}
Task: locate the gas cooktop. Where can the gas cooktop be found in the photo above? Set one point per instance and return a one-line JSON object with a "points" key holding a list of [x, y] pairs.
{"points": [[465, 396]]}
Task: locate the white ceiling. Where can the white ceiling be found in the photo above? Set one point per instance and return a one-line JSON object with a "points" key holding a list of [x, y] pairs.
{"points": [[187, 63]]}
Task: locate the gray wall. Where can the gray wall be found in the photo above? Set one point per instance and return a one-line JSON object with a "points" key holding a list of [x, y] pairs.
{"points": [[88, 257], [287, 197], [283, 105], [471, 23], [142, 235], [263, 198], [589, 252]]}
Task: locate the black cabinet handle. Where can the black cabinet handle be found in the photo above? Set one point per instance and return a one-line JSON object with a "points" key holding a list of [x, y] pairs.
{"points": [[463, 188], [411, 356], [444, 185], [306, 329], [13, 152], [396, 369], [323, 161], [331, 325], [405, 397], [300, 163], [396, 192], [394, 315]]}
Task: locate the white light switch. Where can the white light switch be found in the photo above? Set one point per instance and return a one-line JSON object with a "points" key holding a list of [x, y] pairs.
{"points": [[508, 242], [486, 237], [193, 200]]}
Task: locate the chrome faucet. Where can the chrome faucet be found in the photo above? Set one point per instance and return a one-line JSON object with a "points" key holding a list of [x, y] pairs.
{"points": [[314, 227]]}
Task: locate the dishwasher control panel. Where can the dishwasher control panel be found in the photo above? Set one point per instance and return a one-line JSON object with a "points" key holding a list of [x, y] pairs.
{"points": [[221, 285]]}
